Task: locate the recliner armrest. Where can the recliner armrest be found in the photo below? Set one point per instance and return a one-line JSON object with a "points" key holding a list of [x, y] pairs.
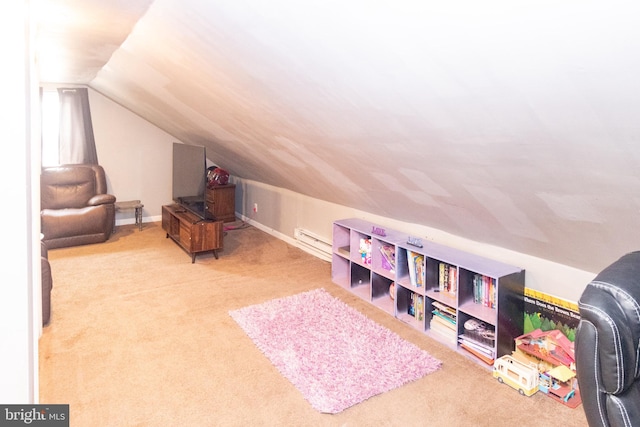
{"points": [[101, 199]]}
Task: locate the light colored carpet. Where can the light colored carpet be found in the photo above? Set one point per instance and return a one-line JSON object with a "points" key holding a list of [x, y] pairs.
{"points": [[336, 356], [139, 336]]}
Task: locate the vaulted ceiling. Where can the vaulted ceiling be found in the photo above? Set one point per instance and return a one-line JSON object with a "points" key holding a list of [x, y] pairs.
{"points": [[511, 123]]}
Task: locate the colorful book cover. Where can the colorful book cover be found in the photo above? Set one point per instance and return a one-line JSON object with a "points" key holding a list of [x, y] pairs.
{"points": [[452, 283], [410, 266], [418, 262], [443, 270], [484, 290], [419, 304], [412, 305], [443, 308], [546, 312], [388, 261]]}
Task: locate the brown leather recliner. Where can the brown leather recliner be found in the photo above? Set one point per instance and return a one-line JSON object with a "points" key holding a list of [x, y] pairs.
{"points": [[75, 206], [47, 284]]}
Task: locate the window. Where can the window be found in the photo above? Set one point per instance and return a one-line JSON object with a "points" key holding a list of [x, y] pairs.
{"points": [[67, 131], [50, 128]]}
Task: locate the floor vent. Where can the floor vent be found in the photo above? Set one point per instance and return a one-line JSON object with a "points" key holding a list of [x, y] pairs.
{"points": [[312, 243]]}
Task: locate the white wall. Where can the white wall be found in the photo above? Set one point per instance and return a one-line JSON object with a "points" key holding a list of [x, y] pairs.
{"points": [[136, 156], [18, 329], [281, 211]]}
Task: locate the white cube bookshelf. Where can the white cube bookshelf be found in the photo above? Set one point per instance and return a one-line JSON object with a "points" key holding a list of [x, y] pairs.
{"points": [[474, 299]]}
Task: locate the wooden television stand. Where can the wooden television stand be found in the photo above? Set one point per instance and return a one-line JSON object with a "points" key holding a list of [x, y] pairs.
{"points": [[192, 233]]}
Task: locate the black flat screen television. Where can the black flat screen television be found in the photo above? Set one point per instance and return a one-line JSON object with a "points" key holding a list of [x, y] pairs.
{"points": [[190, 177]]}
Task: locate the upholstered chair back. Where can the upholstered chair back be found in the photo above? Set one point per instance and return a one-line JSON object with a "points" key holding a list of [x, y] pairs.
{"points": [[71, 186], [607, 345]]}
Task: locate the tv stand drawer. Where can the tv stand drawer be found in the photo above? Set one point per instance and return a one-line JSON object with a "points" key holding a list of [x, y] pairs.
{"points": [[193, 234]]}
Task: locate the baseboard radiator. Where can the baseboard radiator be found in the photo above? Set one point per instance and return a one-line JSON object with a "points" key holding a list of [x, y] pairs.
{"points": [[312, 243]]}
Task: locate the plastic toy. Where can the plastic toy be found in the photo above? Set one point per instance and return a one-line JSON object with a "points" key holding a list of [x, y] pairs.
{"points": [[516, 374], [553, 354]]}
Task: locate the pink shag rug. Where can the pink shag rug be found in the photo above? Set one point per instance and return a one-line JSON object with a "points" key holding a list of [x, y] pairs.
{"points": [[334, 355]]}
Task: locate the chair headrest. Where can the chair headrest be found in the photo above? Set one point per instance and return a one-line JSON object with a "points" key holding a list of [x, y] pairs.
{"points": [[66, 187], [611, 302]]}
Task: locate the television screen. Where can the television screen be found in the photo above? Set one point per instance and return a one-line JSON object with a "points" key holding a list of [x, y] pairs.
{"points": [[189, 176]]}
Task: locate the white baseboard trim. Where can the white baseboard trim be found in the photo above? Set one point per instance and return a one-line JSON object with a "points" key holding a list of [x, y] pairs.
{"points": [[290, 240]]}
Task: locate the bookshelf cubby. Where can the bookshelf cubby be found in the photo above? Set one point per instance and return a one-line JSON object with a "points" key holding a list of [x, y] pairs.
{"points": [[478, 303]]}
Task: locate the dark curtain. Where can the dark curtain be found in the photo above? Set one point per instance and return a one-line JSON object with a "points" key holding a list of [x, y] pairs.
{"points": [[77, 144]]}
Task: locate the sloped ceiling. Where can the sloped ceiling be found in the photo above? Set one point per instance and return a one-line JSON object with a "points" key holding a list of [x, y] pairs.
{"points": [[511, 123]]}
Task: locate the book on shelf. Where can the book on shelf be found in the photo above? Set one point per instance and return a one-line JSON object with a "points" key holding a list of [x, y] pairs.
{"points": [[410, 267], [388, 257], [446, 322], [484, 290], [446, 317], [416, 306], [419, 266], [411, 308], [416, 267], [443, 325], [443, 332], [344, 251], [443, 308], [481, 347], [447, 278], [478, 337], [486, 359]]}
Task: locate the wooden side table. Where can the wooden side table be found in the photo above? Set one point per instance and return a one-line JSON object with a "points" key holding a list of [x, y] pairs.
{"points": [[128, 205]]}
